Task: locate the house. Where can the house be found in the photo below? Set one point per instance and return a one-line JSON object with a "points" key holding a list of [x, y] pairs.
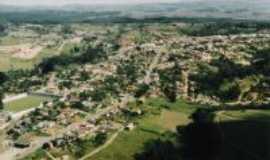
{"points": [[22, 143], [130, 126], [4, 117]]}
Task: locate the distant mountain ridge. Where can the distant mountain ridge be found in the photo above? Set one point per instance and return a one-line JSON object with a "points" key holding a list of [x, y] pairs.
{"points": [[235, 9]]}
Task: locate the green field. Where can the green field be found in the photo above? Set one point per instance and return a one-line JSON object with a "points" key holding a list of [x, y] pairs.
{"points": [[24, 103], [8, 63], [11, 40], [150, 128], [131, 142]]}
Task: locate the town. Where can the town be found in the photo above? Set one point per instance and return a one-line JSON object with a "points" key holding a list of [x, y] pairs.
{"points": [[83, 91]]}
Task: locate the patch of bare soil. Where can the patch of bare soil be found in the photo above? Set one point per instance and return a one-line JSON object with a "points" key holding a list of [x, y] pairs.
{"points": [[22, 51], [27, 52]]}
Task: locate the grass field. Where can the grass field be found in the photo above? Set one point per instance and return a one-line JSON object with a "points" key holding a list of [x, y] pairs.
{"points": [[151, 127], [8, 63], [179, 105], [24, 103], [11, 40]]}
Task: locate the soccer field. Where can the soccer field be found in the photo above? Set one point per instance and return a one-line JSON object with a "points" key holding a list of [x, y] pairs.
{"points": [[24, 103]]}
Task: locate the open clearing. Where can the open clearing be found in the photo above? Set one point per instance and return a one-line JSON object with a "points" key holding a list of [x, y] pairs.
{"points": [[24, 60], [24, 103], [22, 51], [27, 56], [23, 47]]}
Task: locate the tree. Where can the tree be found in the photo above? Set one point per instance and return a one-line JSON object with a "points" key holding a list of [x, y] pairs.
{"points": [[141, 90], [97, 94], [84, 76], [79, 105], [128, 70], [100, 139], [3, 26], [66, 29], [261, 61], [3, 77], [1, 102], [168, 82]]}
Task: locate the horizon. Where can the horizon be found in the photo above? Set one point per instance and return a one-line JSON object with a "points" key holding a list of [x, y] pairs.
{"points": [[85, 2], [59, 3]]}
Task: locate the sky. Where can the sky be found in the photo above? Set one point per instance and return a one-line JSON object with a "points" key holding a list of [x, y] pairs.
{"points": [[88, 2]]}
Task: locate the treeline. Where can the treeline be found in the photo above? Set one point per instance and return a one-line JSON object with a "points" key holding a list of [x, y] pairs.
{"points": [[53, 16], [224, 28], [89, 55], [3, 26]]}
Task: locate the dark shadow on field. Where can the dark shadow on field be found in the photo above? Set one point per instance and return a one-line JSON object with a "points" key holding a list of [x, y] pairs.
{"points": [[200, 140], [203, 139], [247, 139], [158, 150]]}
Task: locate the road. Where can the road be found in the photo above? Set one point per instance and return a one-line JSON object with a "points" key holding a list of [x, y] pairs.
{"points": [[13, 153]]}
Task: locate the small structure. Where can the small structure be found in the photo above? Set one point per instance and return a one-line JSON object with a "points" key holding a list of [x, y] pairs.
{"points": [[130, 126], [22, 143], [4, 117]]}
